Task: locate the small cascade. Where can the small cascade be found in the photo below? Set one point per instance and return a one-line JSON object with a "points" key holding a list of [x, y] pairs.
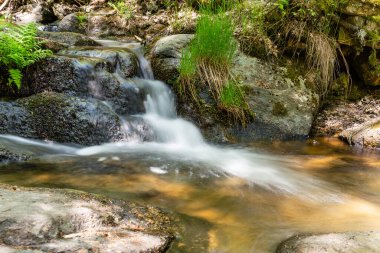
{"points": [[171, 136]]}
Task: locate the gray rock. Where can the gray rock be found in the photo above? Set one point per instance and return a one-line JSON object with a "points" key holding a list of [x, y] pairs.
{"points": [[70, 23], [61, 10], [11, 155], [43, 220], [101, 76], [68, 38], [68, 119], [166, 55], [351, 242], [122, 59], [284, 108], [38, 13], [366, 135], [15, 119]]}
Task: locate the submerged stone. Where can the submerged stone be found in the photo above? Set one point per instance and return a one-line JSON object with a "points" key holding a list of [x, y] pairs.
{"points": [[47, 220]]}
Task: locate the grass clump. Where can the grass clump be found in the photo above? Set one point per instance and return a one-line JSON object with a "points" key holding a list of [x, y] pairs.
{"points": [[82, 19], [121, 8], [19, 48], [207, 61]]}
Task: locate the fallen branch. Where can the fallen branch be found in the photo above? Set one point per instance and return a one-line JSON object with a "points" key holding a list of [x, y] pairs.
{"points": [[4, 5]]}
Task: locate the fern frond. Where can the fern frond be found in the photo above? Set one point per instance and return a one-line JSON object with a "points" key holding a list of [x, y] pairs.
{"points": [[15, 77], [19, 48]]}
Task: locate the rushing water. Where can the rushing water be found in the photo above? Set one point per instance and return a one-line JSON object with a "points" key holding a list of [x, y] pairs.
{"points": [[227, 199]]}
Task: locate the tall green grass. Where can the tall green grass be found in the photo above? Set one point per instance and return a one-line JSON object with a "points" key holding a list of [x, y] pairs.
{"points": [[207, 61], [214, 39]]}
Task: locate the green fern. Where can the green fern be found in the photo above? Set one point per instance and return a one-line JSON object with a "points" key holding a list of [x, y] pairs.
{"points": [[15, 77], [19, 48]]}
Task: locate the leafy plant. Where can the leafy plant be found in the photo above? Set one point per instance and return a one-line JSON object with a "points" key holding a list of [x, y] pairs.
{"points": [[82, 19], [208, 59], [19, 48], [121, 8]]}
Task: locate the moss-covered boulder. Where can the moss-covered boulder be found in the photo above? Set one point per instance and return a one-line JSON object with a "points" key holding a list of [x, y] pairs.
{"points": [[47, 220], [67, 119]]}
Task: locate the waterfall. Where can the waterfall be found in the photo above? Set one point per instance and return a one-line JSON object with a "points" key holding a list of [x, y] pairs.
{"points": [[182, 140]]}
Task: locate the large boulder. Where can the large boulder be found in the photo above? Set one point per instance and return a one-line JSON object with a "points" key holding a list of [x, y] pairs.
{"points": [[352, 242], [279, 96], [72, 23], [68, 119], [103, 76], [166, 56], [47, 220], [61, 118]]}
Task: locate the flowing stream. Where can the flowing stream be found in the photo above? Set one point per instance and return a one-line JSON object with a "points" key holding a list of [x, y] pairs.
{"points": [[227, 198]]}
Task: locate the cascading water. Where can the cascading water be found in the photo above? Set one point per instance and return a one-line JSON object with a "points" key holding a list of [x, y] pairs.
{"points": [[181, 140]]}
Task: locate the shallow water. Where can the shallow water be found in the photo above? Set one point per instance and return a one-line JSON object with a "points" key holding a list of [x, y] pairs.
{"points": [[337, 188]]}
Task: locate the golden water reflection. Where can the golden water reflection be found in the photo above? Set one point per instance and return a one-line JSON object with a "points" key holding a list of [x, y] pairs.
{"points": [[234, 215]]}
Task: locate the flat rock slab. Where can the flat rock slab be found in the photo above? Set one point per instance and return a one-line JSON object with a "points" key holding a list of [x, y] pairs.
{"points": [[46, 220], [365, 135], [352, 242]]}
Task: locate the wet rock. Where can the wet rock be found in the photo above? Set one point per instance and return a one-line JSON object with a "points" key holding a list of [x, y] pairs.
{"points": [[68, 38], [8, 154], [61, 74], [351, 242], [365, 135], [15, 119], [46, 220], [166, 56], [122, 60], [68, 119], [71, 23]]}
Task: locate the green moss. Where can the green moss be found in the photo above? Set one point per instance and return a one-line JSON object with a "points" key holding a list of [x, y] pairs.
{"points": [[279, 109]]}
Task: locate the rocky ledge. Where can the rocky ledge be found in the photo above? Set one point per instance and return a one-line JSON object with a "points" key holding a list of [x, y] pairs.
{"points": [[351, 242], [47, 220]]}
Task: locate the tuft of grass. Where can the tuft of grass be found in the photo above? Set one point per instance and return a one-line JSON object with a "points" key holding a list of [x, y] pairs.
{"points": [[207, 62], [82, 19], [121, 8]]}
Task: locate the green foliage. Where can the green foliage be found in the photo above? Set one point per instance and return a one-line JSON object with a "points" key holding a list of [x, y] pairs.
{"points": [[19, 48], [207, 62], [121, 8], [214, 40], [232, 96], [15, 77], [82, 19]]}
